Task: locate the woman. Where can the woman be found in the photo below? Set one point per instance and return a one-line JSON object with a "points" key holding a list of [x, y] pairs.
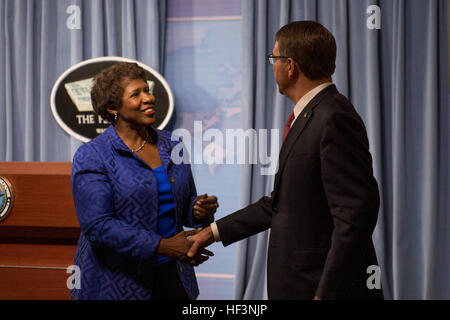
{"points": [[132, 201]]}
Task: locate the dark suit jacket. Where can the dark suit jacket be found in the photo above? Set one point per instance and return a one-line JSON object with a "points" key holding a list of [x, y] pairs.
{"points": [[323, 208]]}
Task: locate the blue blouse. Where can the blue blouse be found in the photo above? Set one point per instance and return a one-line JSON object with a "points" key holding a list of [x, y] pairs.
{"points": [[166, 208]]}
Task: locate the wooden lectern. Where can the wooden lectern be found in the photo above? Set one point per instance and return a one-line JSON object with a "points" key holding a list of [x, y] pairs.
{"points": [[38, 237]]}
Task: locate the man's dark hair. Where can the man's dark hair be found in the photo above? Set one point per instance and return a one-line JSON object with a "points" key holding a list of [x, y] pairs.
{"points": [[311, 45], [109, 84]]}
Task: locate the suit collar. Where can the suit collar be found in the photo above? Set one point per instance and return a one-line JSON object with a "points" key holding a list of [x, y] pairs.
{"points": [[304, 101], [329, 89]]}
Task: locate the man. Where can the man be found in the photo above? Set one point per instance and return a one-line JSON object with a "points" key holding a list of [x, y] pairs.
{"points": [[324, 205]]}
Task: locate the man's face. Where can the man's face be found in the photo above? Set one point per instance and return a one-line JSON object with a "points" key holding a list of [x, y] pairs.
{"points": [[280, 70]]}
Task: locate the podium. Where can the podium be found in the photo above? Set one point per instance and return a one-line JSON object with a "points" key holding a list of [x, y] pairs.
{"points": [[38, 237]]}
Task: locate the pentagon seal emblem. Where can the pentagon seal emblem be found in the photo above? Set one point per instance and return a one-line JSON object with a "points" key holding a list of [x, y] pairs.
{"points": [[70, 99], [6, 198]]}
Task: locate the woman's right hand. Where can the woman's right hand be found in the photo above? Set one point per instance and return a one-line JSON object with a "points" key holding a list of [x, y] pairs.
{"points": [[178, 245]]}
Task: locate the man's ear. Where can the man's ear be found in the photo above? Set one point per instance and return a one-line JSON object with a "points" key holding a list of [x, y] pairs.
{"points": [[293, 68]]}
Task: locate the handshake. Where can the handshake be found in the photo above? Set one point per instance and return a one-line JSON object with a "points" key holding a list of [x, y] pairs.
{"points": [[189, 246]]}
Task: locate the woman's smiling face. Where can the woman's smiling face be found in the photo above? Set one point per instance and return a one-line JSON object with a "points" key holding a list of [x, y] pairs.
{"points": [[137, 104]]}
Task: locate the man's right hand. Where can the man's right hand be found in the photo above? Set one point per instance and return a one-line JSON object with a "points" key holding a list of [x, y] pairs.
{"points": [[199, 241]]}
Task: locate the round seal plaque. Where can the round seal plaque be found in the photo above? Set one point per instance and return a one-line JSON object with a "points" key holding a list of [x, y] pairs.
{"points": [[70, 99], [6, 197]]}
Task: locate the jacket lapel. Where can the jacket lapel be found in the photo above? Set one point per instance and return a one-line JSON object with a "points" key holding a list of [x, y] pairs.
{"points": [[164, 144], [165, 147], [296, 130], [116, 141]]}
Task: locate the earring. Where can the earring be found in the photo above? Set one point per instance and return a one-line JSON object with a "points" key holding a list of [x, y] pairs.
{"points": [[115, 117]]}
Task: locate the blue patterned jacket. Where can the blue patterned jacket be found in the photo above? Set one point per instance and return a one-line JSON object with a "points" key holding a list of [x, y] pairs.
{"points": [[116, 200]]}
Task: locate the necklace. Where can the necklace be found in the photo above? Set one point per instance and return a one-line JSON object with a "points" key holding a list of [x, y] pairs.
{"points": [[142, 145]]}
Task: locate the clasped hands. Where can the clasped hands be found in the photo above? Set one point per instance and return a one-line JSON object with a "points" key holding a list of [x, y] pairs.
{"points": [[186, 246]]}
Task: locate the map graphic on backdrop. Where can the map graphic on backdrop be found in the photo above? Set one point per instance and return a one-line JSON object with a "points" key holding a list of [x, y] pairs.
{"points": [[199, 57], [204, 68]]}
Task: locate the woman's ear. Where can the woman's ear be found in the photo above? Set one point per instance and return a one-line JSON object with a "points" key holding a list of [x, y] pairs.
{"points": [[112, 111]]}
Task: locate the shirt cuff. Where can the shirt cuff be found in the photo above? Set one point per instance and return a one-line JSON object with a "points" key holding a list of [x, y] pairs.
{"points": [[215, 231]]}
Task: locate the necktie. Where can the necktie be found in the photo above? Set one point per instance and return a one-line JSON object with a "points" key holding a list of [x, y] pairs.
{"points": [[288, 124]]}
